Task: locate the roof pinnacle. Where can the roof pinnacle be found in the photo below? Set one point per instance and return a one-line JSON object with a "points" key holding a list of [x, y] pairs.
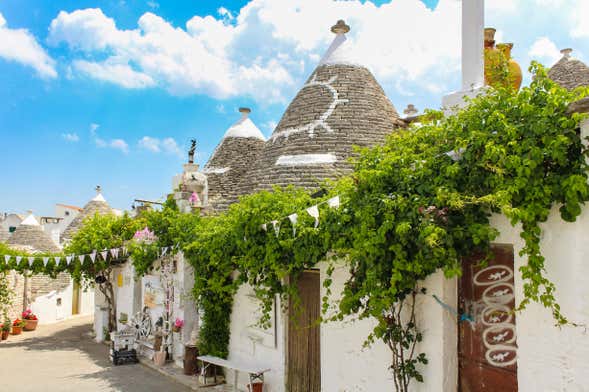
{"points": [[340, 27]]}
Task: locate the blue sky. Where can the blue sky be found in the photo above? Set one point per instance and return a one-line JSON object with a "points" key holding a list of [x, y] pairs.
{"points": [[110, 92]]}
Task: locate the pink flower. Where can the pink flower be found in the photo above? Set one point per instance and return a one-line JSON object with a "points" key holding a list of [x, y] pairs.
{"points": [[144, 235], [178, 323], [194, 199]]}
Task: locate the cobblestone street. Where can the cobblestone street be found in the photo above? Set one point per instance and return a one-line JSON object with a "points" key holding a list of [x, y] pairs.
{"points": [[63, 357]]}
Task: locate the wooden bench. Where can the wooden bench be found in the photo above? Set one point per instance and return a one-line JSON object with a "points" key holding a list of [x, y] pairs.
{"points": [[255, 373]]}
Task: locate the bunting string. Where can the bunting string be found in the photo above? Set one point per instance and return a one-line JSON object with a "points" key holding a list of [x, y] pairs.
{"points": [[105, 255]]}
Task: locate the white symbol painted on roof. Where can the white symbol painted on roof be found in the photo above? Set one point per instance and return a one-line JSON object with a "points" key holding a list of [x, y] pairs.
{"points": [[322, 120]]}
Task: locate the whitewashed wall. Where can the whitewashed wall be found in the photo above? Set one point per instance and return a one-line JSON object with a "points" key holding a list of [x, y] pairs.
{"points": [[253, 346], [86, 305], [124, 294], [47, 309], [346, 366], [552, 358]]}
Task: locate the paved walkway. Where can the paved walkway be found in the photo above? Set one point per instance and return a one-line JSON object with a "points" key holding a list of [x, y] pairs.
{"points": [[62, 357]]}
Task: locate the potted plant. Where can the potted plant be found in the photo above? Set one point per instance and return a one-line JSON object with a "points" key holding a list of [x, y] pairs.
{"points": [[30, 320], [17, 326], [178, 324], [5, 328]]}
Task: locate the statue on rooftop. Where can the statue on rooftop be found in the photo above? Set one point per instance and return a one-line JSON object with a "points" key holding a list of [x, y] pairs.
{"points": [[191, 151]]}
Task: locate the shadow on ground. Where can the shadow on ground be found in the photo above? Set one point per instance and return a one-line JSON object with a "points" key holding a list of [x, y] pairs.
{"points": [[77, 339]]}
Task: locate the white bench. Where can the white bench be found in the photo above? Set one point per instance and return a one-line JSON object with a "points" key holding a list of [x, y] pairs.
{"points": [[255, 373]]}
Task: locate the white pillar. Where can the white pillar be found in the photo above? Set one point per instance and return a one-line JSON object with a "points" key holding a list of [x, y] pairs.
{"points": [[473, 57], [473, 24]]}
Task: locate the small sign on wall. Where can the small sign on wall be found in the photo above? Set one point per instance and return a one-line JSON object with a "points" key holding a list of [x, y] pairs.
{"points": [[153, 294]]}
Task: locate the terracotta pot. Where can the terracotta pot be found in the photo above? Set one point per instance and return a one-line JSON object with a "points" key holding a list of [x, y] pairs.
{"points": [[256, 387], [5, 335], [515, 71], [159, 358], [16, 330], [30, 325], [493, 58]]}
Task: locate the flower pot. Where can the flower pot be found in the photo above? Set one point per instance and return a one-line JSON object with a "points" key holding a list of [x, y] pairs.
{"points": [[30, 325], [176, 329], [159, 358], [16, 330], [256, 387], [5, 335]]}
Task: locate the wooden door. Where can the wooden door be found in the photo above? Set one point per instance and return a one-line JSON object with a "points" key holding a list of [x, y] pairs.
{"points": [[487, 350], [304, 360]]}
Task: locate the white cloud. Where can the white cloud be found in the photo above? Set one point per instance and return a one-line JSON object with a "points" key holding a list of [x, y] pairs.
{"points": [[502, 6], [266, 49], [117, 144], [544, 49], [153, 4], [21, 46], [121, 74], [150, 143], [71, 137], [167, 145], [170, 146], [270, 125], [578, 12]]}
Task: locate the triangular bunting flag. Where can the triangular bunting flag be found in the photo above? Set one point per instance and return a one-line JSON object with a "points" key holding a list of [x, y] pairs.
{"points": [[45, 261], [68, 259], [124, 248], [93, 256], [114, 253], [81, 258], [18, 259], [456, 155], [334, 202], [104, 254], [31, 260], [264, 227], [314, 212], [293, 219], [276, 227], [57, 260], [7, 258]]}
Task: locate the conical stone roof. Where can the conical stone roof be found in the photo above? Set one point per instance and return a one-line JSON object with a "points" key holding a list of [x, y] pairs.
{"points": [[568, 72], [97, 205], [4, 235], [30, 235], [233, 158], [341, 105]]}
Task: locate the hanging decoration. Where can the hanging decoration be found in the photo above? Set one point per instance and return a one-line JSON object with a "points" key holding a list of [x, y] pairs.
{"points": [[314, 212], [293, 219]]}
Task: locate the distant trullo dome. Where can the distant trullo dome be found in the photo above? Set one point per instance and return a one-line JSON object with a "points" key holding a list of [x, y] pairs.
{"points": [[232, 159], [97, 205], [569, 72], [30, 236], [339, 106]]}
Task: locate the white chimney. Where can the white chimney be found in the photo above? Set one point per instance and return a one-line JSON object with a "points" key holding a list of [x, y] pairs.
{"points": [[473, 55], [473, 61]]}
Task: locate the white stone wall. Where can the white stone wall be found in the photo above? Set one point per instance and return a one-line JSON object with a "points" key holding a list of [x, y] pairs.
{"points": [[552, 358], [251, 345]]}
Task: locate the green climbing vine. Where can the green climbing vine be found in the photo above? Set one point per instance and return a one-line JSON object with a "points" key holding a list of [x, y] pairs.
{"points": [[416, 205]]}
